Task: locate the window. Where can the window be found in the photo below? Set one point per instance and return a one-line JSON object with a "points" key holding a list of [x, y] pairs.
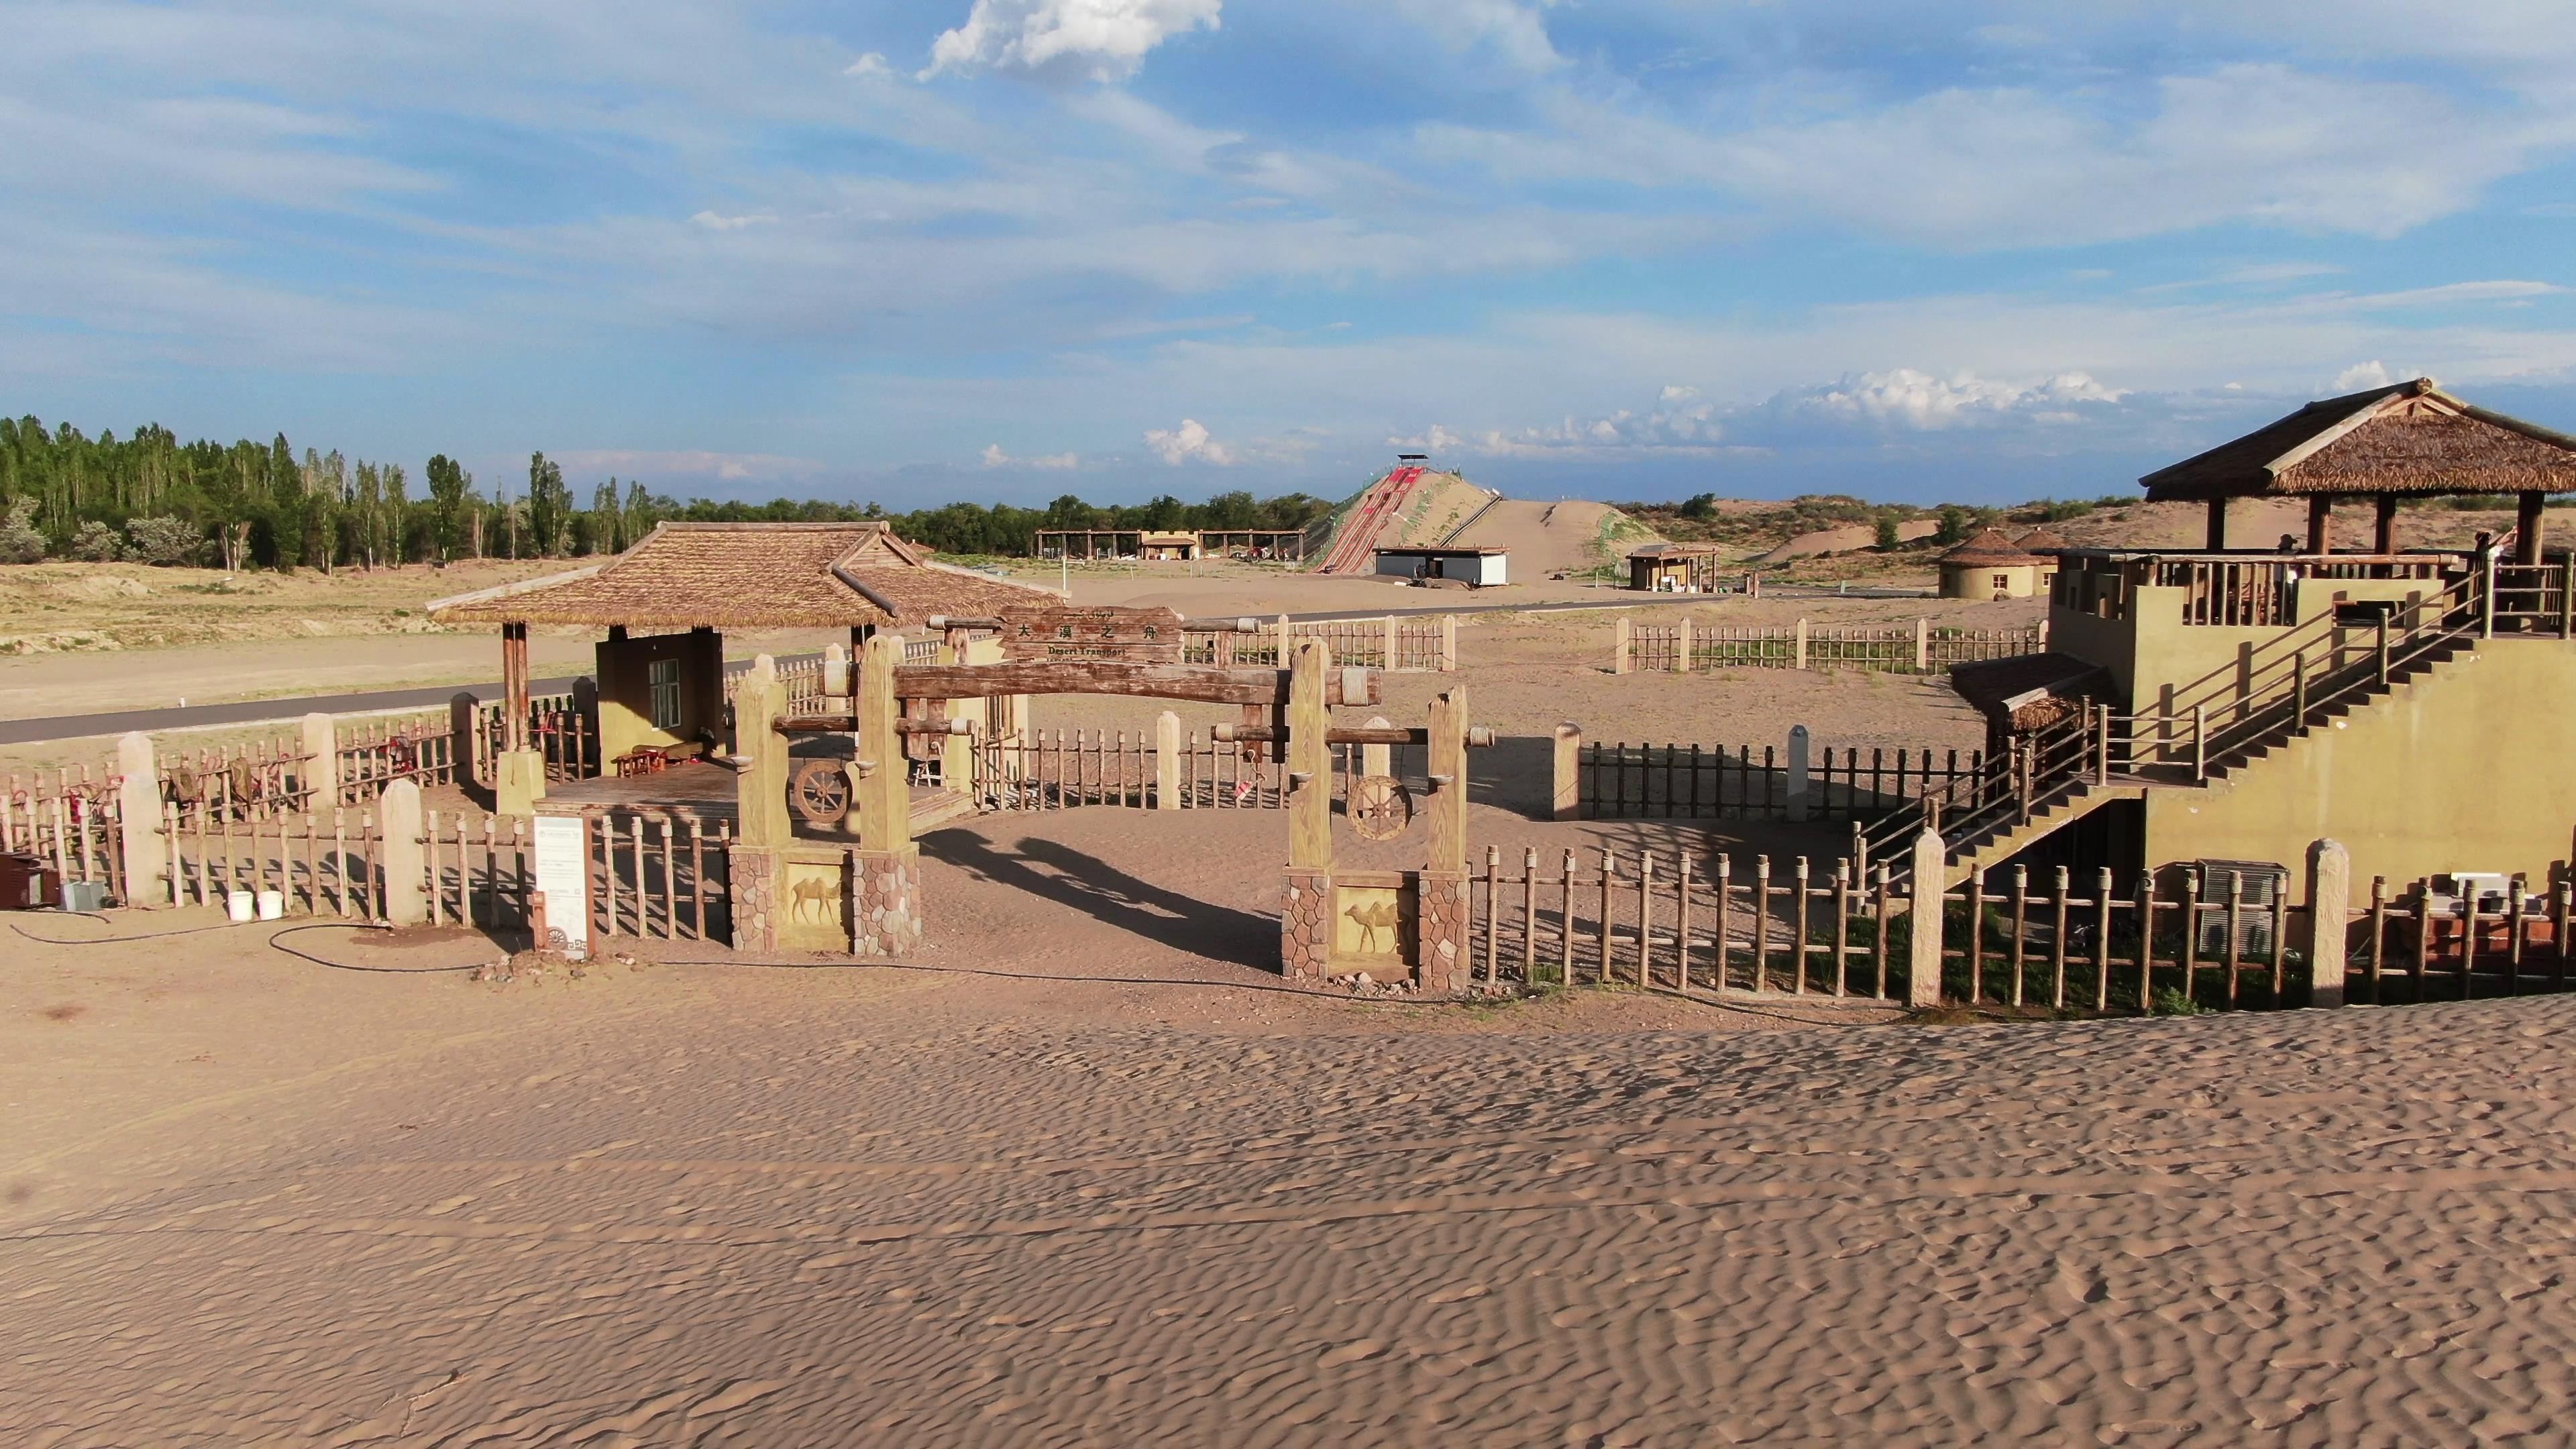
{"points": [[662, 679], [2003, 581]]}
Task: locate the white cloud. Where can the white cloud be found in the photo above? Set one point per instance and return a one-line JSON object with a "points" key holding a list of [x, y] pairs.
{"points": [[994, 457], [1188, 443], [1515, 31], [1681, 422], [870, 66], [1105, 39], [717, 221], [1906, 398], [2361, 376]]}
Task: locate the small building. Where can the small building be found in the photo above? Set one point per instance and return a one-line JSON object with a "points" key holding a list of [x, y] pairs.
{"points": [[1675, 568], [1476, 567], [1167, 547], [1994, 565]]}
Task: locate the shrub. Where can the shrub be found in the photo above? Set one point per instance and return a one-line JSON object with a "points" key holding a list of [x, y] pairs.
{"points": [[166, 542], [1888, 537], [97, 543], [19, 541]]}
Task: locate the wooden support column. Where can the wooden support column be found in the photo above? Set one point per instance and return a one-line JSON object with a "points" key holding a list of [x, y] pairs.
{"points": [[2527, 521], [1566, 774], [2384, 531], [2320, 524], [514, 686], [760, 788], [2217, 539]]}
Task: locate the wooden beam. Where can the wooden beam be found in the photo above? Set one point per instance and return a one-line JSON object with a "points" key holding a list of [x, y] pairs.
{"points": [[2320, 524], [2384, 527], [2528, 526], [2217, 539], [1207, 684]]}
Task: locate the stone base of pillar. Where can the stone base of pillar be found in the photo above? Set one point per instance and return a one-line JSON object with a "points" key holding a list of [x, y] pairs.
{"points": [[751, 890], [885, 902], [1306, 925], [518, 781], [1442, 967]]}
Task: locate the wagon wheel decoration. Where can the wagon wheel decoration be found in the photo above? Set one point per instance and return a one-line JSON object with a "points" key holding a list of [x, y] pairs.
{"points": [[1380, 807], [820, 792]]}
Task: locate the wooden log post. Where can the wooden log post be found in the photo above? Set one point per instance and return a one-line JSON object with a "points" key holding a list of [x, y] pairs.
{"points": [[1442, 963], [1306, 922], [1568, 772], [1800, 806], [1287, 640], [148, 851], [519, 768], [1167, 761], [320, 776], [2329, 910], [1922, 646], [1923, 953], [465, 742], [1619, 646], [885, 871], [1682, 645], [1392, 662], [760, 787], [1448, 643], [405, 857], [1800, 658]]}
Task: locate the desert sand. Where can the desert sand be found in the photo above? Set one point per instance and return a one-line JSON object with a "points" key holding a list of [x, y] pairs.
{"points": [[1130, 1190]]}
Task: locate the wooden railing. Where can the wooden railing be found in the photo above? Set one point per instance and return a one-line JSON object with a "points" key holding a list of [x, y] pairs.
{"points": [[1916, 648], [1398, 643], [1624, 781]]}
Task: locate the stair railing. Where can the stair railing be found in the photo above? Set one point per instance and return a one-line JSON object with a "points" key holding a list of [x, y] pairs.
{"points": [[2041, 768]]}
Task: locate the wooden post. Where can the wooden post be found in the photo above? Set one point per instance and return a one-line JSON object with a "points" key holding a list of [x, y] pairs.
{"points": [[1800, 661], [760, 787], [1391, 662], [2329, 908], [1167, 761], [1619, 647], [149, 849], [398, 812], [2384, 532], [320, 776], [2320, 523], [2527, 522], [1310, 760], [1448, 771], [881, 798], [836, 671], [1931, 868], [1682, 645], [2216, 542], [1448, 643], [1799, 807], [1287, 640], [1568, 772], [1377, 759]]}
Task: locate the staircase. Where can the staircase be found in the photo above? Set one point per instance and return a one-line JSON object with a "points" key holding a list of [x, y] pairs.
{"points": [[2214, 732]]}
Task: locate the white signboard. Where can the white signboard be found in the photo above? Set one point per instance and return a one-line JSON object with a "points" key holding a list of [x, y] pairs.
{"points": [[563, 874]]}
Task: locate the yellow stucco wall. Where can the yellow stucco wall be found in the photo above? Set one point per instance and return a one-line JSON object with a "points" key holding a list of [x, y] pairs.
{"points": [[1977, 581], [625, 689], [2153, 649], [2465, 770]]}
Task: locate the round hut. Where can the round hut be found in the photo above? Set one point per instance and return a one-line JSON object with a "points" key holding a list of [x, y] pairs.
{"points": [[1993, 565]]}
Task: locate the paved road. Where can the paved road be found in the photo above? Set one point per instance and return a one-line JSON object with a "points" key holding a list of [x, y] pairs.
{"points": [[260, 711]]}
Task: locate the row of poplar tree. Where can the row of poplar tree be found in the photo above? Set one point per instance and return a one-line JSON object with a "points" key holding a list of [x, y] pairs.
{"points": [[150, 497]]}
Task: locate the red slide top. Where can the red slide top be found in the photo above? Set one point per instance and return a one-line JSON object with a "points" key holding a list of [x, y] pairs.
{"points": [[1375, 509]]}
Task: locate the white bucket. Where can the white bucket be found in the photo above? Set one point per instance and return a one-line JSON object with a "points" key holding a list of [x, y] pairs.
{"points": [[272, 905], [238, 905]]}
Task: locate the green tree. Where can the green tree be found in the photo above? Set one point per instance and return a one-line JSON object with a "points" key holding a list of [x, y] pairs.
{"points": [[549, 508], [450, 490]]}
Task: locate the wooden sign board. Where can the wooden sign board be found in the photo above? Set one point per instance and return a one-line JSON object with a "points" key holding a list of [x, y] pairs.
{"points": [[1141, 636]]}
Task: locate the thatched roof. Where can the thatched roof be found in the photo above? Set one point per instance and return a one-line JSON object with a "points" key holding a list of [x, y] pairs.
{"points": [[750, 576], [2040, 541], [1989, 548], [2028, 691], [1677, 550], [2411, 438]]}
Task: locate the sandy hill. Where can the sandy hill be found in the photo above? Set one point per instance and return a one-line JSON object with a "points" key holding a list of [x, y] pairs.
{"points": [[1568, 536], [1406, 505]]}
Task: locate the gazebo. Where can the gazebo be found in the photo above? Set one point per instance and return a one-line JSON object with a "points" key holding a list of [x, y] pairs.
{"points": [[666, 602], [1992, 565], [2410, 440]]}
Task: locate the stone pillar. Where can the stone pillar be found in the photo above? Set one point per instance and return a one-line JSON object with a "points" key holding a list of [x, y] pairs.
{"points": [[760, 784], [149, 880], [2329, 909], [1619, 647], [321, 775], [1682, 646], [1440, 915], [1922, 646], [1305, 924], [1306, 889], [885, 901], [751, 897], [1923, 958], [1167, 761], [1567, 800], [518, 781], [1799, 806], [1800, 661], [406, 860]]}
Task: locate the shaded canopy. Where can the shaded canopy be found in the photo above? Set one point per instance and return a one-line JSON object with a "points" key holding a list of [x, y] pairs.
{"points": [[2028, 691], [750, 576], [2408, 439], [1677, 550]]}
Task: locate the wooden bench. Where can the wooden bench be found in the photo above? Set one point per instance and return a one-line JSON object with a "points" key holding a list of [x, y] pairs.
{"points": [[654, 759]]}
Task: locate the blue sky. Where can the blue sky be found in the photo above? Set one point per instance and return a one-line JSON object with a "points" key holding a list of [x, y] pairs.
{"points": [[1004, 249]]}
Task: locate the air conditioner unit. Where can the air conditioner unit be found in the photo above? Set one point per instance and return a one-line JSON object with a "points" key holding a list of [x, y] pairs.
{"points": [[2260, 885]]}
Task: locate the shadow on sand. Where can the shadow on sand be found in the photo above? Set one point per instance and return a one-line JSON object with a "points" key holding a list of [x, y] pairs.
{"points": [[1107, 894]]}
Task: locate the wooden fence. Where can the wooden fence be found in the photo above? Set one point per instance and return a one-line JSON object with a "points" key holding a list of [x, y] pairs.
{"points": [[2420, 945], [1916, 648], [1634, 782], [373, 753], [1397, 643], [70, 821]]}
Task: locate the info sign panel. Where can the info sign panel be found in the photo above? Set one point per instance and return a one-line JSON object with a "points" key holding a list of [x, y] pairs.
{"points": [[563, 874]]}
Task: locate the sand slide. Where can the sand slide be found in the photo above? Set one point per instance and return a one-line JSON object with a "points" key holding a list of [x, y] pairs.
{"points": [[1405, 506], [1543, 537]]}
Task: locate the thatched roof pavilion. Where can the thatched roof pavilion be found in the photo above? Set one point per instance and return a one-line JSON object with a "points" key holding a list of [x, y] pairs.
{"points": [[1991, 548], [2407, 440]]}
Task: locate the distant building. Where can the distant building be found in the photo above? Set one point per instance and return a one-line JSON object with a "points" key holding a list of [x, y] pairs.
{"points": [[1479, 567], [1674, 568], [1992, 565], [1167, 547]]}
